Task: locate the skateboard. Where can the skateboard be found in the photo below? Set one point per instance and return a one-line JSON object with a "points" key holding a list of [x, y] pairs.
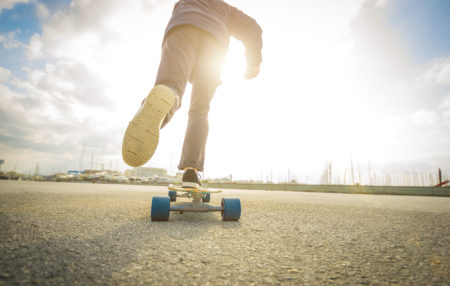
{"points": [[230, 208]]}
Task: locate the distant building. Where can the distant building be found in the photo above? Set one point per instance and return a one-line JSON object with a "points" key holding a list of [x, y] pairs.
{"points": [[179, 176], [91, 172], [75, 172], [129, 173], [144, 172]]}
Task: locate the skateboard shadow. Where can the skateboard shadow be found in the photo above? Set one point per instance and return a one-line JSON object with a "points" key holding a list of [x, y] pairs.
{"points": [[191, 225], [69, 259]]}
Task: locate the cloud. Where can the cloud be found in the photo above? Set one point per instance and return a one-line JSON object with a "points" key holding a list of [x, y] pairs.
{"points": [[95, 60], [444, 109], [380, 49], [86, 26], [381, 3], [47, 129], [35, 46], [79, 81], [9, 4], [9, 41], [68, 82], [412, 98], [384, 65], [4, 74], [73, 32], [438, 72], [42, 11]]}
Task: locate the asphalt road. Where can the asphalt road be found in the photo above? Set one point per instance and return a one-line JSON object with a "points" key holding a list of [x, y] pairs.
{"points": [[75, 233]]}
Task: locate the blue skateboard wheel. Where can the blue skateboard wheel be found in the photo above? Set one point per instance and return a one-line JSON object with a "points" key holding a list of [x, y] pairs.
{"points": [[160, 209], [231, 209], [173, 196]]}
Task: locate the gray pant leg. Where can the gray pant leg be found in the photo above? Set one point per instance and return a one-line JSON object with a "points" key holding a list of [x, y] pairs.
{"points": [[178, 58], [205, 79]]}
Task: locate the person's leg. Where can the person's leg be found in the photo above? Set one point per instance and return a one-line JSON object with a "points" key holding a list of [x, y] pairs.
{"points": [[205, 79], [178, 57], [177, 61]]}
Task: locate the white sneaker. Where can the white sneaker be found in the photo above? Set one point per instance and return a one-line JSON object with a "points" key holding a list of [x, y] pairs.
{"points": [[142, 135]]}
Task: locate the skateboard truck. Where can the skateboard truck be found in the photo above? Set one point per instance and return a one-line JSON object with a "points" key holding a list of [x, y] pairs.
{"points": [[230, 208]]}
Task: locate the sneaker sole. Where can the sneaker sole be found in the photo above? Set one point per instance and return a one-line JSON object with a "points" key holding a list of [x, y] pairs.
{"points": [[142, 134]]}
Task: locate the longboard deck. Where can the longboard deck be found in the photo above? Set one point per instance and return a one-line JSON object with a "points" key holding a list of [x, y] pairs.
{"points": [[193, 190]]}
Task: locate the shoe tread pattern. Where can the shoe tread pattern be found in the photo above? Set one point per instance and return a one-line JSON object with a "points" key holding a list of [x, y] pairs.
{"points": [[142, 134]]}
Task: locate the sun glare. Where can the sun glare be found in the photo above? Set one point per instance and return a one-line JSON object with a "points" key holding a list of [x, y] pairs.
{"points": [[235, 64]]}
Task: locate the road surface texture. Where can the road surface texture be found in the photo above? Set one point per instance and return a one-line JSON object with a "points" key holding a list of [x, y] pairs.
{"points": [[75, 233]]}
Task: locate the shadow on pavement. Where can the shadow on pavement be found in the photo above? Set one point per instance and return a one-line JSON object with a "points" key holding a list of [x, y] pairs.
{"points": [[28, 257]]}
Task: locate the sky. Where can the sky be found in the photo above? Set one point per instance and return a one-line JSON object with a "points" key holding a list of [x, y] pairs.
{"points": [[351, 82]]}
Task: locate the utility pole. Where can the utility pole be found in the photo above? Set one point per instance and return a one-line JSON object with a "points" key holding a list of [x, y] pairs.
{"points": [[36, 170], [359, 174], [82, 155], [330, 172], [102, 165], [353, 172]]}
